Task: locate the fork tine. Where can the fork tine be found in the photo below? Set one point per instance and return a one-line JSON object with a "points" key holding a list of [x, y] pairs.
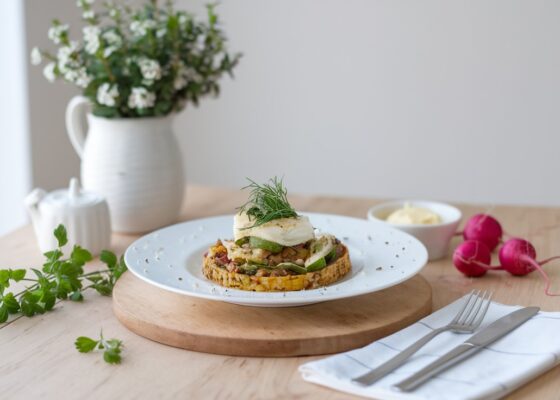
{"points": [[458, 315], [478, 321], [461, 320], [476, 309]]}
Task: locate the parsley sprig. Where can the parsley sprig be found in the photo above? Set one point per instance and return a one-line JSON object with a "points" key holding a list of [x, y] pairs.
{"points": [[59, 278], [111, 347], [267, 202]]}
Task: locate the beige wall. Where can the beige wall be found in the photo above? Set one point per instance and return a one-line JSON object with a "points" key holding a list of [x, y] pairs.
{"points": [[53, 159], [453, 100]]}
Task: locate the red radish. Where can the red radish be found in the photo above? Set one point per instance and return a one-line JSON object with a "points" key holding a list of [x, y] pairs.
{"points": [[483, 228], [472, 258], [518, 257]]}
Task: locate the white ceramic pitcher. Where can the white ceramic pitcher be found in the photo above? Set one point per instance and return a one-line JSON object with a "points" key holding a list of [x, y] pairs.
{"points": [[135, 163]]}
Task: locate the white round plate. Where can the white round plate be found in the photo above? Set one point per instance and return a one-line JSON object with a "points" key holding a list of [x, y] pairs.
{"points": [[171, 258]]}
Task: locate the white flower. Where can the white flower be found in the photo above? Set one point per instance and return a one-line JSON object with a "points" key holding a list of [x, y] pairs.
{"points": [[180, 82], [112, 38], [56, 32], [114, 42], [140, 28], [36, 57], [182, 19], [82, 3], [135, 27], [65, 56], [90, 31], [91, 38], [65, 53], [107, 94], [140, 98], [82, 78], [88, 14], [150, 69], [49, 72], [161, 32], [92, 45], [113, 12], [201, 42], [192, 75], [108, 51], [78, 76]]}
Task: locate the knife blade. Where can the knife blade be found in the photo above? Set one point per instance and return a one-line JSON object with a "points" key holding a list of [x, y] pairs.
{"points": [[475, 343]]}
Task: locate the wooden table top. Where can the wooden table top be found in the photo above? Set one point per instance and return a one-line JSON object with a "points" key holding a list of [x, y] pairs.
{"points": [[38, 359]]}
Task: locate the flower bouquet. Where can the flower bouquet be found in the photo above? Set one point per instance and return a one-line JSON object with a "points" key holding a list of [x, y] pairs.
{"points": [[137, 63]]}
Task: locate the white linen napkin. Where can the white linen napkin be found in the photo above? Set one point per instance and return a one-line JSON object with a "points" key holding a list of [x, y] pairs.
{"points": [[495, 371]]}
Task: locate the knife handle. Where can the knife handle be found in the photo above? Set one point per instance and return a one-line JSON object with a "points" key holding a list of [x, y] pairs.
{"points": [[450, 358]]}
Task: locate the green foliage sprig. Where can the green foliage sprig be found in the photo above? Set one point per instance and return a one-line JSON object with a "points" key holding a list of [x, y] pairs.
{"points": [[149, 61], [267, 202], [59, 278], [111, 347]]}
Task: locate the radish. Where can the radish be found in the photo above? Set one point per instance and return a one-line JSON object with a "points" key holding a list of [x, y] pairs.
{"points": [[472, 258], [518, 257], [483, 228]]}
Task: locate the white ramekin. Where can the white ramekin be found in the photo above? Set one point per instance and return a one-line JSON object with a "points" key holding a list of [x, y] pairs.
{"points": [[435, 237]]}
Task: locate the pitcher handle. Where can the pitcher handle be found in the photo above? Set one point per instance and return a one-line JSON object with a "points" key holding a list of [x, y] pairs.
{"points": [[75, 122]]}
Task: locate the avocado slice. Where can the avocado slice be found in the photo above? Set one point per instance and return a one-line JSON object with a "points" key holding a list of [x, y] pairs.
{"points": [[292, 267], [317, 265], [242, 241], [258, 243], [331, 256], [320, 249]]}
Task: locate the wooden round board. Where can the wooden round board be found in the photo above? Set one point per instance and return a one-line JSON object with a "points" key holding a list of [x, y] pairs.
{"points": [[222, 328]]}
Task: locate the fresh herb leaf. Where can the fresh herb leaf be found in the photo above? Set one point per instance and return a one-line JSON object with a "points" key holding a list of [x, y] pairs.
{"points": [[77, 296], [60, 278], [119, 269], [60, 235], [85, 344], [5, 277], [10, 303], [80, 256], [109, 258], [267, 202], [3, 313], [111, 347]]}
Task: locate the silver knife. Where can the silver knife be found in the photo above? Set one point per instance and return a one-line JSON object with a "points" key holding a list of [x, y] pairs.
{"points": [[475, 343]]}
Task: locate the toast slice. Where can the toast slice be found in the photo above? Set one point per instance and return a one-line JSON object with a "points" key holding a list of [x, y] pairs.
{"points": [[311, 280]]}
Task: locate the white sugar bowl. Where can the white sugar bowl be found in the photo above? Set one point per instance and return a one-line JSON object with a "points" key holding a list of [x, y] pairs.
{"points": [[84, 214]]}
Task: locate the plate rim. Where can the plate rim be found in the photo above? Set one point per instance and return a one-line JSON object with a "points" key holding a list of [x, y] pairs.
{"points": [[284, 300]]}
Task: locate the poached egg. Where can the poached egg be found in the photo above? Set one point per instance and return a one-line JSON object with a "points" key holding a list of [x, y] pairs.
{"points": [[284, 231]]}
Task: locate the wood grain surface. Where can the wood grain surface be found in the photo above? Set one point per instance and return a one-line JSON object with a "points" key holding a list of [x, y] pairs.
{"points": [[229, 329], [38, 359]]}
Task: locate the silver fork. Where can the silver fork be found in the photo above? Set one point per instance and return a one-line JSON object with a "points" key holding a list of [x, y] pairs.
{"points": [[466, 321]]}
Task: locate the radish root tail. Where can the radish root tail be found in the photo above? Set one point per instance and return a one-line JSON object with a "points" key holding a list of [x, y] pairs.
{"points": [[543, 273]]}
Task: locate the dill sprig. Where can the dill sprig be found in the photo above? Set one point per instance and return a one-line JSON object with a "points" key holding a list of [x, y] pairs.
{"points": [[267, 202]]}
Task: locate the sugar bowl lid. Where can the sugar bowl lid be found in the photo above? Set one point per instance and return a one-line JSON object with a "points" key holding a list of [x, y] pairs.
{"points": [[74, 196]]}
